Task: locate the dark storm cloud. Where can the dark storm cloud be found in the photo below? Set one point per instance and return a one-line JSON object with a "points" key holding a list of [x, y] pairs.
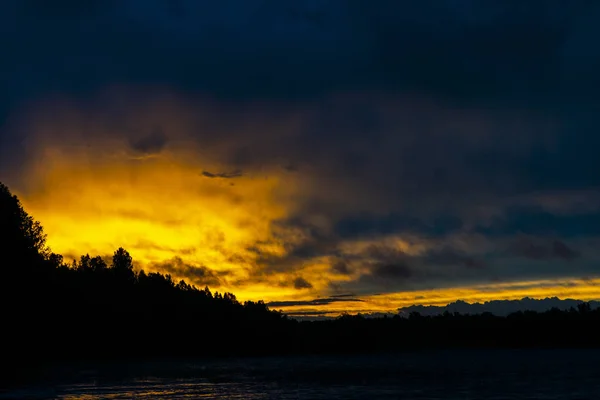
{"points": [[377, 225], [543, 250], [389, 264], [151, 143], [386, 269], [535, 220], [271, 50], [449, 256], [394, 271], [313, 242], [301, 283], [446, 261], [340, 267], [562, 251], [425, 118], [446, 47]]}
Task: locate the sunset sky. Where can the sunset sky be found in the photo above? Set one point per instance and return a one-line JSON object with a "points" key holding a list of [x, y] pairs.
{"points": [[325, 156]]}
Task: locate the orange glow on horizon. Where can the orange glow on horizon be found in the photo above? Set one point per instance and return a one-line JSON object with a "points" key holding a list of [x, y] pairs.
{"points": [[579, 289]]}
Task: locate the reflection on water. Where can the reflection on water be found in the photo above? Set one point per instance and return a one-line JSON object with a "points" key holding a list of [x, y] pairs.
{"points": [[527, 374]]}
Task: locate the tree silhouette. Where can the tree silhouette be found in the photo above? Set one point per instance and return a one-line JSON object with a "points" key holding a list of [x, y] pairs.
{"points": [[22, 236], [122, 265], [98, 265], [84, 264]]}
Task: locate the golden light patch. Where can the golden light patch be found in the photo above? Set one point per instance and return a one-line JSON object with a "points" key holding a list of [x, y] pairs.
{"points": [[96, 193], [156, 209]]}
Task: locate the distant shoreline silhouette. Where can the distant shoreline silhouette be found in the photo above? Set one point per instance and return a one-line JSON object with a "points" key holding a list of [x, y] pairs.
{"points": [[96, 309]]}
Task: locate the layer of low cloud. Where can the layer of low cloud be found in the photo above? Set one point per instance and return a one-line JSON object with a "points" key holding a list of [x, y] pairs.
{"points": [[314, 302]]}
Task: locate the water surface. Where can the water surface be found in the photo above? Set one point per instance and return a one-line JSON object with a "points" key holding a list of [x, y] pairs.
{"points": [[498, 374]]}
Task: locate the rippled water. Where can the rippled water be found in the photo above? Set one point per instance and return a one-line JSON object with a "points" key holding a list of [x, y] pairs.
{"points": [[527, 374]]}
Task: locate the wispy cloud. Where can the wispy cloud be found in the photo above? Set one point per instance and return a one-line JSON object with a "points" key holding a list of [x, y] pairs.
{"points": [[314, 302], [225, 175]]}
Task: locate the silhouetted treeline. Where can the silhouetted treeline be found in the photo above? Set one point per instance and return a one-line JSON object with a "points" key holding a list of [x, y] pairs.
{"points": [[104, 308], [96, 308]]}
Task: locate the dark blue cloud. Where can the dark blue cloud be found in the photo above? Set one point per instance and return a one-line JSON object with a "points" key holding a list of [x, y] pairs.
{"points": [[364, 226], [238, 49], [534, 250], [534, 220]]}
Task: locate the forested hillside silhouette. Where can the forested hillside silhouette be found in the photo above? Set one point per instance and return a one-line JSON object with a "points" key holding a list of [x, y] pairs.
{"points": [[96, 308], [104, 308]]}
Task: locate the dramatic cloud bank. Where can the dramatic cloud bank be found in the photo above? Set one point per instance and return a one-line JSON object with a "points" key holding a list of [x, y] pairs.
{"points": [[399, 152]]}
